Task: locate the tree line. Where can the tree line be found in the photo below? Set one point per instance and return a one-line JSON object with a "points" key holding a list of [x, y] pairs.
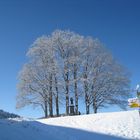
{"points": [[5, 115], [64, 65]]}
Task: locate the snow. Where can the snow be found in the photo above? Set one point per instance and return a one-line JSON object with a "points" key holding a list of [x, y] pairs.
{"points": [[101, 126]]}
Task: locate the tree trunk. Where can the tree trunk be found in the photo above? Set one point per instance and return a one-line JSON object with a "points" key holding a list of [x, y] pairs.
{"points": [[50, 106], [57, 107], [50, 99], [87, 102], [57, 98], [67, 89], [46, 109], [87, 109], [95, 110], [94, 105], [75, 89], [67, 100]]}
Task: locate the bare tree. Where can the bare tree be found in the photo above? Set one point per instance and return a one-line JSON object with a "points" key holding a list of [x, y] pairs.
{"points": [[65, 63], [109, 82], [36, 78], [64, 41], [88, 58], [32, 90], [75, 67]]}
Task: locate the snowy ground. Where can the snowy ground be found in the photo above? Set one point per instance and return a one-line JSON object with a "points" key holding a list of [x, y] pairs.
{"points": [[102, 126]]}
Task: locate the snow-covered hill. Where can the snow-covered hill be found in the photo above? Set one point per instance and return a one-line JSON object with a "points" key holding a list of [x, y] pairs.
{"points": [[102, 126]]}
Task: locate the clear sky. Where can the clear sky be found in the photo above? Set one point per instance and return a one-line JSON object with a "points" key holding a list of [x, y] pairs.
{"points": [[116, 23]]}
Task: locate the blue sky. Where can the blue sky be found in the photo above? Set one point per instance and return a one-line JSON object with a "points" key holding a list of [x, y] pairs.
{"points": [[116, 23]]}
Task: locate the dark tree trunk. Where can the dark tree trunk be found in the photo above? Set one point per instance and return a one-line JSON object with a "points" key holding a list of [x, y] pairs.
{"points": [[75, 89], [67, 90], [87, 109], [46, 109], [57, 107], [87, 100], [57, 98], [67, 99], [94, 105], [50, 98], [50, 106], [76, 100], [87, 103], [95, 110]]}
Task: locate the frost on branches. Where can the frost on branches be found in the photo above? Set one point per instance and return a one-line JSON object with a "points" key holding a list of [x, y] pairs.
{"points": [[66, 64]]}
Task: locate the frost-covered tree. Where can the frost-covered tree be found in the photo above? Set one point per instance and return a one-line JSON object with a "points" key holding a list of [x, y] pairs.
{"points": [[75, 67], [63, 47], [36, 79], [69, 45], [31, 89], [105, 81], [87, 63], [66, 64]]}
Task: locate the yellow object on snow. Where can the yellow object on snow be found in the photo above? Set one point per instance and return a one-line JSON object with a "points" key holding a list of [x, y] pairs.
{"points": [[133, 105]]}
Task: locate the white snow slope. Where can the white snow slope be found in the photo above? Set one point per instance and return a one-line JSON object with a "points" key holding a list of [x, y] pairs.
{"points": [[102, 126]]}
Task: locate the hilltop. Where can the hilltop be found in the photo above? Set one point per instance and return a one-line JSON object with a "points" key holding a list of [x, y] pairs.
{"points": [[101, 126]]}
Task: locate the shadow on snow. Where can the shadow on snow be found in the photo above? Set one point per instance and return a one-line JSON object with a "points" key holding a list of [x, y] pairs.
{"points": [[34, 130]]}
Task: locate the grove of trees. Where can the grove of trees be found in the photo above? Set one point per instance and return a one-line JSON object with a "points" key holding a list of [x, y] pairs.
{"points": [[66, 64], [5, 115]]}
